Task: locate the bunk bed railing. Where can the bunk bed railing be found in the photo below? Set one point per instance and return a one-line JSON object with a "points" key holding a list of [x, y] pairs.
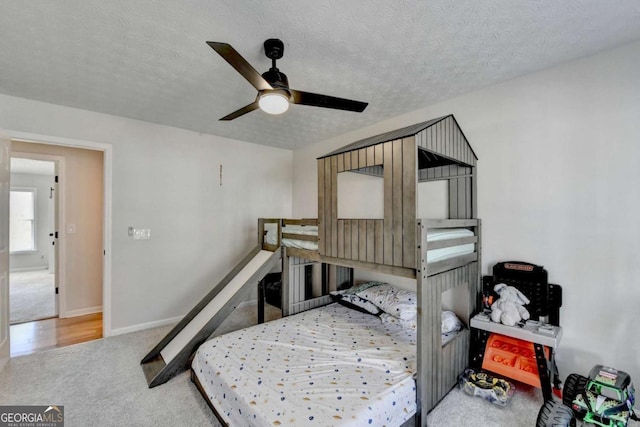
{"points": [[272, 231], [436, 267], [360, 246], [269, 233], [298, 241], [441, 244], [449, 223], [308, 238], [303, 221], [450, 264]]}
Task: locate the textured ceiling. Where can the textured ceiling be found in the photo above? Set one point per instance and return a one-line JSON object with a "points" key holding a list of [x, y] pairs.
{"points": [[148, 59]]}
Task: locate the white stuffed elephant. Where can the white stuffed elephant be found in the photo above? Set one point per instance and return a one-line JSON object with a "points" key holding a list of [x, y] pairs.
{"points": [[509, 308]]}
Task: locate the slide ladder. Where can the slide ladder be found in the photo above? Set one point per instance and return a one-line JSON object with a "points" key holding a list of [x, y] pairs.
{"points": [[172, 354]]}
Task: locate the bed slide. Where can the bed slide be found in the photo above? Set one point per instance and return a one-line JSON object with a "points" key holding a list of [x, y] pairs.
{"points": [[173, 353]]}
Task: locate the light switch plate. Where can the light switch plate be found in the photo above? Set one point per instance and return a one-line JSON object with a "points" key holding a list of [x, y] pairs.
{"points": [[141, 233]]}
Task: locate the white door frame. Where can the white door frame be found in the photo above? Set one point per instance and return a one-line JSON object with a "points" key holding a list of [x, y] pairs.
{"points": [[107, 150], [5, 180], [60, 273]]}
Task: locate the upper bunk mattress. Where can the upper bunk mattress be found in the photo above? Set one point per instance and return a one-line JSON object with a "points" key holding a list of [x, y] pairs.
{"points": [[330, 366], [438, 234], [433, 235], [304, 230]]}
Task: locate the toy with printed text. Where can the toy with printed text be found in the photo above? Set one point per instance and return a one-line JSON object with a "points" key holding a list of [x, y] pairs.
{"points": [[605, 398]]}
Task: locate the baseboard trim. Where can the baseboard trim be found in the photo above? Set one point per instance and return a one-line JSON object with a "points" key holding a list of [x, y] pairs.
{"points": [[148, 325], [25, 269], [246, 303], [163, 322], [81, 312]]}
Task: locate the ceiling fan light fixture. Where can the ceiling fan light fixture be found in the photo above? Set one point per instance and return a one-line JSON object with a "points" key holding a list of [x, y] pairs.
{"points": [[274, 94], [273, 102]]}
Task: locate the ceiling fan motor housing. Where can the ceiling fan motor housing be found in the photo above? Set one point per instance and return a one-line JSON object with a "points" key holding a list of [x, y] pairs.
{"points": [[276, 79], [273, 48]]}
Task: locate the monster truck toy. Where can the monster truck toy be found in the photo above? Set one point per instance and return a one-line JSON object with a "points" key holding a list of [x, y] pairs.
{"points": [[603, 399], [495, 390]]}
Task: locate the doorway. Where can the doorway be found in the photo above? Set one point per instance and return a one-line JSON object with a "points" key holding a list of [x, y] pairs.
{"points": [[79, 239], [33, 226], [49, 145]]}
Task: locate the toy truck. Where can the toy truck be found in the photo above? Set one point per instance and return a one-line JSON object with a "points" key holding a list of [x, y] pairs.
{"points": [[605, 399]]}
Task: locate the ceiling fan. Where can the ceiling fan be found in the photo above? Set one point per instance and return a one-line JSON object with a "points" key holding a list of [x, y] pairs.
{"points": [[274, 94]]}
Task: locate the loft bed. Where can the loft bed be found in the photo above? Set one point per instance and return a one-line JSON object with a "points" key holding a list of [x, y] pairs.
{"points": [[449, 244], [443, 254]]}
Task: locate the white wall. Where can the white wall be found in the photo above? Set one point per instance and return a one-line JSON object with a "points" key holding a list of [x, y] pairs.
{"points": [[38, 259], [558, 186], [167, 179]]}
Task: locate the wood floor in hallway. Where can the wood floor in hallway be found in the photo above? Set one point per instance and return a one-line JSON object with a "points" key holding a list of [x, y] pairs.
{"points": [[51, 333]]}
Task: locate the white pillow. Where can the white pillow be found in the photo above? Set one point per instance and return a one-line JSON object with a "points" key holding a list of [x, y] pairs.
{"points": [[450, 322], [396, 302]]}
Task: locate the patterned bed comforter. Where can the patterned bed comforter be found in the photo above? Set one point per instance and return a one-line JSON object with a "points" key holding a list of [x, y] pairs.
{"points": [[331, 366]]}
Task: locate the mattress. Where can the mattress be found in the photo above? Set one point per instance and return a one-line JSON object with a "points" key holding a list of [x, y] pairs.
{"points": [[438, 234], [300, 244], [271, 236], [331, 366], [433, 235], [304, 230]]}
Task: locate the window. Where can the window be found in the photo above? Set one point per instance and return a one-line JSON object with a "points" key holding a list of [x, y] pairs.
{"points": [[360, 196], [22, 220]]}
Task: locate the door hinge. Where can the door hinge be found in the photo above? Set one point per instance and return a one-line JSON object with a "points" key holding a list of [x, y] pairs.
{"points": [[56, 178], [57, 290]]}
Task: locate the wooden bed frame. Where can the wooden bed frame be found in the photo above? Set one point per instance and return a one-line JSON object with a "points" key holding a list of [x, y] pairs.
{"points": [[397, 244], [196, 381]]}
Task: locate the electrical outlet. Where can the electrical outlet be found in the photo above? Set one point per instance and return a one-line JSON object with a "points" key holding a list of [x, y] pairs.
{"points": [[141, 233]]}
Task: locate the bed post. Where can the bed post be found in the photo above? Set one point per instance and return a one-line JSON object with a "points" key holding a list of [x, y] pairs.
{"points": [[425, 341], [285, 302]]}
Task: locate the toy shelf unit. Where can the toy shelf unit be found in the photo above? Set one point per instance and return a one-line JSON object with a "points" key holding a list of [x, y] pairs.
{"points": [[524, 352], [513, 358]]}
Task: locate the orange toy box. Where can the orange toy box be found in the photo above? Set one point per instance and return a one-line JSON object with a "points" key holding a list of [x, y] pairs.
{"points": [[512, 358]]}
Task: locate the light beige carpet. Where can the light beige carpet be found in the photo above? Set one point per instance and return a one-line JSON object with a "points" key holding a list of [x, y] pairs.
{"points": [[31, 296]]}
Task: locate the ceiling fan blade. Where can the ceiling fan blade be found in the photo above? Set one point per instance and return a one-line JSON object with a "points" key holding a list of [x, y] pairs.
{"points": [[316, 100], [241, 112], [240, 64]]}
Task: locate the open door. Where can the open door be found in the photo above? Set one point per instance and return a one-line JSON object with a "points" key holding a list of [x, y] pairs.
{"points": [[54, 220], [5, 145]]}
